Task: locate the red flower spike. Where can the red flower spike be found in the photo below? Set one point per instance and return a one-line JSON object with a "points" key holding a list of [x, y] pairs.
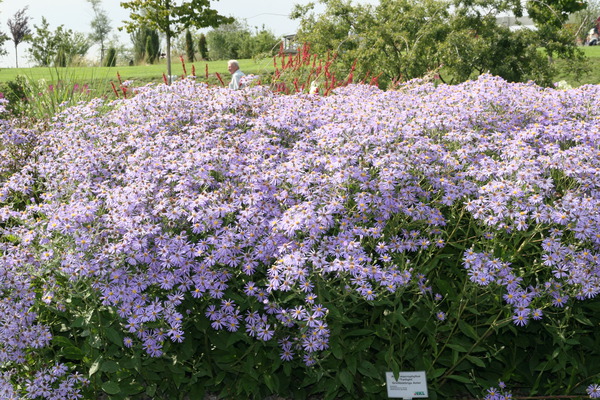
{"points": [[349, 79], [114, 89], [220, 79], [183, 66]]}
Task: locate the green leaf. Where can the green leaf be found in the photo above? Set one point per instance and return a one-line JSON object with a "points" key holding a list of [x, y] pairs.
{"points": [[467, 329], [364, 344], [437, 373], [109, 366], [151, 390], [347, 380], [336, 350], [178, 379], [62, 341], [457, 347], [114, 336], [459, 378], [111, 387], [95, 366], [78, 322], [270, 382], [368, 369], [132, 388], [360, 332], [350, 360], [72, 353], [403, 321], [477, 361]]}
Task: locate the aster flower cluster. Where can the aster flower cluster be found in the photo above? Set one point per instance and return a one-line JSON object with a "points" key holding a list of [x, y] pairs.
{"points": [[246, 202], [500, 393]]}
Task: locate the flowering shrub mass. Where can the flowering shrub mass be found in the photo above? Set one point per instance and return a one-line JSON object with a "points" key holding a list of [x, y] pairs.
{"points": [[451, 210]]}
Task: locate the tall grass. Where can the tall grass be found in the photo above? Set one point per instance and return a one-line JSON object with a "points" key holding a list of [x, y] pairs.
{"points": [[42, 96]]}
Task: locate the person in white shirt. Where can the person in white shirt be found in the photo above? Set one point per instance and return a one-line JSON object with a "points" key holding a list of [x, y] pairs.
{"points": [[236, 74]]}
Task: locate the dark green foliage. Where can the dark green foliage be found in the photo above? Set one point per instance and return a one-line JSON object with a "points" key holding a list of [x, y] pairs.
{"points": [[111, 57], [202, 47], [189, 46], [59, 47], [235, 41], [146, 45], [406, 39], [150, 51], [14, 92]]}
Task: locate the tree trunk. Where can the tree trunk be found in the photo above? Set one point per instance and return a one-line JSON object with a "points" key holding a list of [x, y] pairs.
{"points": [[16, 57], [169, 57], [168, 38]]}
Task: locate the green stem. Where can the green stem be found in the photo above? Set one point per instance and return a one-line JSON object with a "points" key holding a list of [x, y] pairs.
{"points": [[492, 326]]}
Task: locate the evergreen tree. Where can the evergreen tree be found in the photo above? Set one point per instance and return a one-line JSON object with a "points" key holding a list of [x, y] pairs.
{"points": [[202, 48], [111, 57], [189, 46]]}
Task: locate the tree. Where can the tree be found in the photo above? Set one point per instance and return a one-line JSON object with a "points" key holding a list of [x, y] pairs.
{"points": [[202, 47], [172, 17], [19, 30], [139, 38], [100, 27], [405, 39], [584, 20], [189, 46], [263, 42], [152, 46], [71, 46], [3, 38], [229, 41], [56, 48], [111, 57], [43, 44]]}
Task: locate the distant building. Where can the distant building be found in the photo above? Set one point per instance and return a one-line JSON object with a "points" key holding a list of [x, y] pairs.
{"points": [[290, 46], [513, 23]]}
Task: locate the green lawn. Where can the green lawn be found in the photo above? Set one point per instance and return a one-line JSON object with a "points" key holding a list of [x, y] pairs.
{"points": [[100, 77], [591, 51], [139, 74]]}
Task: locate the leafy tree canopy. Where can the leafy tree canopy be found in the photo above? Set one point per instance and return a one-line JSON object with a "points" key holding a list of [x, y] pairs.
{"points": [[172, 17], [59, 47], [405, 39], [100, 27], [19, 30]]}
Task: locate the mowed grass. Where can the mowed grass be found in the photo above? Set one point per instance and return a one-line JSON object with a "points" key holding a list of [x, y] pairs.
{"points": [[140, 74], [100, 78]]}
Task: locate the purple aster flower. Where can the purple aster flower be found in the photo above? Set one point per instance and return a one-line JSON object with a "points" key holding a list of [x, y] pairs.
{"points": [[593, 391]]}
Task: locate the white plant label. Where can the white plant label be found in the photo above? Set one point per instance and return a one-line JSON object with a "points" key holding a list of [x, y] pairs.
{"points": [[410, 385]]}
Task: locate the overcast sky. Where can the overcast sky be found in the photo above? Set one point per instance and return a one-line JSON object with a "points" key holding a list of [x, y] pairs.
{"points": [[77, 15]]}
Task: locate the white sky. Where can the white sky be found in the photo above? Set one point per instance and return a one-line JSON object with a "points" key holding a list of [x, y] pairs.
{"points": [[77, 15]]}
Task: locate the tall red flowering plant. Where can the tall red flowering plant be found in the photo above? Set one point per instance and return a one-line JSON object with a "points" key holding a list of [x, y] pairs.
{"points": [[307, 72]]}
